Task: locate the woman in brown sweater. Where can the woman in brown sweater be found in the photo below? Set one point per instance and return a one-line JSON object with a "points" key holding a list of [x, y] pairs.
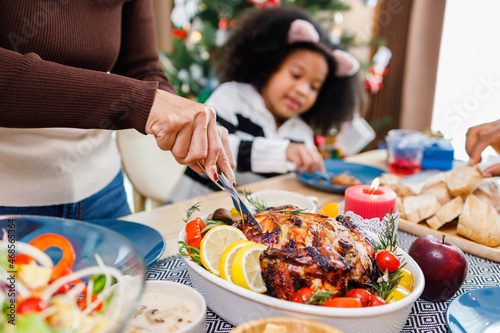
{"points": [[71, 72]]}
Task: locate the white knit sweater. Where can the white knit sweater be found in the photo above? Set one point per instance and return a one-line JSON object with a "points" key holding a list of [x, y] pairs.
{"points": [[48, 166]]}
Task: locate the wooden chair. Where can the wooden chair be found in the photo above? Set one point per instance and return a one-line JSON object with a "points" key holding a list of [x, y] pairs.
{"points": [[152, 172]]}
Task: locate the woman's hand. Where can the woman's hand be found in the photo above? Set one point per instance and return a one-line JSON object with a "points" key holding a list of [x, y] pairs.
{"points": [[189, 130], [478, 138], [306, 159]]}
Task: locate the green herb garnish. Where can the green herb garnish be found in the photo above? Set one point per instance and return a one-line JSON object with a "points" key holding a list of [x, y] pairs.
{"points": [[258, 205], [388, 239], [189, 251], [386, 281], [321, 296], [191, 210]]}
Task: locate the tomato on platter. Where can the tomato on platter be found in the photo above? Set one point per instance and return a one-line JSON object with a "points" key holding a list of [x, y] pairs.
{"points": [[376, 301], [344, 302], [387, 261], [82, 303], [193, 232], [64, 266], [31, 304], [363, 295], [303, 295]]}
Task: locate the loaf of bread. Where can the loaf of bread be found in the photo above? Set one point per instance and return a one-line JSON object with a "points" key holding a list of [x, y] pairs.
{"points": [[447, 213], [489, 192], [479, 222], [464, 180], [420, 207]]}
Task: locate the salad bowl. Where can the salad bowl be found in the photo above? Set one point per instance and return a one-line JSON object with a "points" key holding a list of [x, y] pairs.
{"points": [[94, 251], [238, 305]]}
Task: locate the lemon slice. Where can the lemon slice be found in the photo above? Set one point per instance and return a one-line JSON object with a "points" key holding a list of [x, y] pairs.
{"points": [[226, 260], [246, 268], [215, 242]]}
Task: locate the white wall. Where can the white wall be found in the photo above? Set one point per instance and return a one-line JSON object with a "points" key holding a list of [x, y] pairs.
{"points": [[468, 83]]}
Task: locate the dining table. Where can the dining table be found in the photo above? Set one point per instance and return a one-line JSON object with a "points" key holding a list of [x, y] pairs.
{"points": [[168, 220]]}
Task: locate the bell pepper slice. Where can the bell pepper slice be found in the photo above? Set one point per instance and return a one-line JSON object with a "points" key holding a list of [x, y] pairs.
{"points": [[64, 266]]}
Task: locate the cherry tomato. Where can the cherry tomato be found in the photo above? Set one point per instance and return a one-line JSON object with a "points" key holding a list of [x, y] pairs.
{"points": [[193, 232], [64, 288], [303, 295], [376, 301], [363, 295], [64, 265], [31, 304], [82, 303], [387, 260], [344, 302]]}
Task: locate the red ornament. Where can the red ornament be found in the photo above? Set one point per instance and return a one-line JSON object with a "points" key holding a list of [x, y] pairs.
{"points": [[223, 23], [265, 3], [179, 33]]}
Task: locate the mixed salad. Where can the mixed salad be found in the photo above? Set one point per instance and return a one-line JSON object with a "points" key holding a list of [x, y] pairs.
{"points": [[38, 295]]}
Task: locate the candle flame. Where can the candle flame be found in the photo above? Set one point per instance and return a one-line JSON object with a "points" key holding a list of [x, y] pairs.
{"points": [[374, 186]]}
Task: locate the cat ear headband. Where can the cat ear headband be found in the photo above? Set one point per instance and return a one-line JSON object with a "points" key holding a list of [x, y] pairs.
{"points": [[303, 31]]}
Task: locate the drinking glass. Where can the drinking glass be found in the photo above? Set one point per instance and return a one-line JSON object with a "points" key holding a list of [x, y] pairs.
{"points": [[405, 149]]}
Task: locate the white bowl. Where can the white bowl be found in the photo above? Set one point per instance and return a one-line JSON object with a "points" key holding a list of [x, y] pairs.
{"points": [[161, 295], [238, 305], [290, 324], [273, 198]]}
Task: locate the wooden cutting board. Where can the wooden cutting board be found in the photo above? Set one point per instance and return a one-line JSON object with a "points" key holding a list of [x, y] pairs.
{"points": [[450, 230]]}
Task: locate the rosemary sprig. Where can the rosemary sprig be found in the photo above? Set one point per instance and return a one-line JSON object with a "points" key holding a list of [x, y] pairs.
{"points": [[388, 239], [321, 296], [294, 212], [191, 210], [387, 282], [258, 205], [273, 218], [189, 251]]}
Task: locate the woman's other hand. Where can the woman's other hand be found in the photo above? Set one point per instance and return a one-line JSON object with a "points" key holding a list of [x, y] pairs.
{"points": [[306, 159], [189, 130], [478, 138]]}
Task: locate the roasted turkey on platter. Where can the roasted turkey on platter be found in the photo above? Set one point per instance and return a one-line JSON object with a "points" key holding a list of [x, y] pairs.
{"points": [[310, 250]]}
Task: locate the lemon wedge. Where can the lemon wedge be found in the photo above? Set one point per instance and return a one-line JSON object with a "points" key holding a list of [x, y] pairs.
{"points": [[246, 268], [226, 260], [406, 279], [397, 294], [215, 242]]}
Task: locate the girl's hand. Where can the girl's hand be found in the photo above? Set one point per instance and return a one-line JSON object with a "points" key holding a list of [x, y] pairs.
{"points": [[189, 130], [306, 159]]}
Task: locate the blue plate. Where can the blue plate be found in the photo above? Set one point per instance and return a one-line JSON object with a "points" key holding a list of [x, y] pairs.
{"points": [[364, 173], [475, 311], [146, 239]]}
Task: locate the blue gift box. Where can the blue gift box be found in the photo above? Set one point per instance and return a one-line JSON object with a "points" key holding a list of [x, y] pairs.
{"points": [[438, 154]]}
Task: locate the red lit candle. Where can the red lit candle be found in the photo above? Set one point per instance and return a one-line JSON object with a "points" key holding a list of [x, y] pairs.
{"points": [[370, 201]]}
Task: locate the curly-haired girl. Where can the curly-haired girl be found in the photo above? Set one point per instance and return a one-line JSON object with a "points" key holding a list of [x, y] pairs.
{"points": [[282, 82]]}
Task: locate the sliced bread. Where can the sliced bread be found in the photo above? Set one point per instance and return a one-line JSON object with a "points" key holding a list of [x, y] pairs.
{"points": [[479, 222]]}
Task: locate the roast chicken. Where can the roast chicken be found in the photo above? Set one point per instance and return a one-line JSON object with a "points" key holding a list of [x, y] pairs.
{"points": [[310, 250]]}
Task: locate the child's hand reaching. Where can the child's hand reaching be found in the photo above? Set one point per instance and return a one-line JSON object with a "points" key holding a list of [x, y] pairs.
{"points": [[306, 159]]}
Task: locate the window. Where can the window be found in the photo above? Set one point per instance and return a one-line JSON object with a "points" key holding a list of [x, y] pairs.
{"points": [[468, 80]]}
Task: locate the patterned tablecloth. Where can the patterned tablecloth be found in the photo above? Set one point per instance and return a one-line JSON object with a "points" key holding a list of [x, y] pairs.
{"points": [[425, 316]]}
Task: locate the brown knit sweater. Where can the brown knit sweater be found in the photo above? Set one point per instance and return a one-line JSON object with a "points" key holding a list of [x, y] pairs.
{"points": [[54, 59]]}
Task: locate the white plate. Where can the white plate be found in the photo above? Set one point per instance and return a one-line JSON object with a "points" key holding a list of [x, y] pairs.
{"points": [[273, 198], [238, 305]]}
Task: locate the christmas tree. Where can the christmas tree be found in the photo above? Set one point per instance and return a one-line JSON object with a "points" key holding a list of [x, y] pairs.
{"points": [[200, 26]]}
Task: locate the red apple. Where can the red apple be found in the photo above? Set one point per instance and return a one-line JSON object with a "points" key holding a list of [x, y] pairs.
{"points": [[444, 266]]}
